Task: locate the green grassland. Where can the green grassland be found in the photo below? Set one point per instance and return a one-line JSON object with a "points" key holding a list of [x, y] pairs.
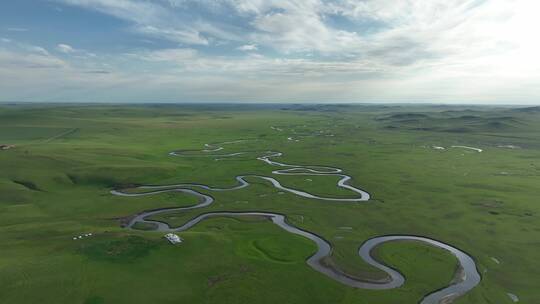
{"points": [[55, 183]]}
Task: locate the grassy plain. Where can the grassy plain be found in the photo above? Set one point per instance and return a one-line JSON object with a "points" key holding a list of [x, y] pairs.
{"points": [[55, 183]]}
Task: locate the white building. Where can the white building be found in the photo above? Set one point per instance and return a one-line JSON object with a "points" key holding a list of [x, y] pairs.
{"points": [[173, 238]]}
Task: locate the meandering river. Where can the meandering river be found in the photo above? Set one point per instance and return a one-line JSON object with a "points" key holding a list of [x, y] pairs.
{"points": [[466, 278]]}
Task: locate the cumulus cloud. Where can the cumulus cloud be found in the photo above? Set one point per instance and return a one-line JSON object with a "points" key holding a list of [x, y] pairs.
{"points": [[330, 28], [346, 50]]}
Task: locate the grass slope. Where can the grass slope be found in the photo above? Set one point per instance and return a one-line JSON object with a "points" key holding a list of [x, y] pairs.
{"points": [[55, 185]]}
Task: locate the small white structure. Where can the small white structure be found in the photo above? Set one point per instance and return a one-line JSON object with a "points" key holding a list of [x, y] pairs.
{"points": [[85, 235], [173, 238], [6, 147]]}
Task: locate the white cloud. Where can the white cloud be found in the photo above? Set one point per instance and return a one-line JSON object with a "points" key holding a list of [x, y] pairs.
{"points": [[36, 49], [295, 26], [169, 55], [31, 60], [71, 51], [248, 47], [133, 10], [149, 18], [188, 36], [64, 48], [346, 50]]}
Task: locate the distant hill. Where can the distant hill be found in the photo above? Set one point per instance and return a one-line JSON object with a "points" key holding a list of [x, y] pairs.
{"points": [[405, 116], [528, 110], [452, 121]]}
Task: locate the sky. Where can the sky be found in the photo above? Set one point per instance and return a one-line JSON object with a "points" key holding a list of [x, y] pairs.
{"points": [[313, 51]]}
